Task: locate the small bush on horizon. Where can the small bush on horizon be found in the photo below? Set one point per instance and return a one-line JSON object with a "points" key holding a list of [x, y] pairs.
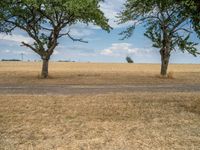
{"points": [[129, 60]]}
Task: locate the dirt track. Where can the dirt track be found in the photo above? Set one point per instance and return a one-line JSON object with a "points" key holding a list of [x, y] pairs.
{"points": [[94, 89]]}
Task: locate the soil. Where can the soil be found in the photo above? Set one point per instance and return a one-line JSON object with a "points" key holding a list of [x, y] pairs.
{"points": [[94, 89]]}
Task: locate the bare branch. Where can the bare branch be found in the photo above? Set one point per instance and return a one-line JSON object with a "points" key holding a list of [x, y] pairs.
{"points": [[31, 47], [72, 38], [45, 28], [183, 29], [76, 40]]}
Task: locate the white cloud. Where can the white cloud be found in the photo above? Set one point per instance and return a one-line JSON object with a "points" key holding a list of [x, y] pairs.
{"points": [[111, 9], [15, 38], [16, 52], [123, 49], [56, 52], [107, 52], [77, 49], [7, 51], [25, 52], [81, 32]]}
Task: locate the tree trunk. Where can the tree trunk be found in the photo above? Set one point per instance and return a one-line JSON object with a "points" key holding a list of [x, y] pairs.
{"points": [[165, 62], [45, 67], [165, 51]]}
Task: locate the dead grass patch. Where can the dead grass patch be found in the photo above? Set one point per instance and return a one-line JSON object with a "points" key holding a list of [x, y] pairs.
{"points": [[107, 122], [170, 75]]}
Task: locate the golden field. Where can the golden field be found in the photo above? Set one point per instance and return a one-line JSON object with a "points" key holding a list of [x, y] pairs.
{"points": [[113, 121], [99, 73]]}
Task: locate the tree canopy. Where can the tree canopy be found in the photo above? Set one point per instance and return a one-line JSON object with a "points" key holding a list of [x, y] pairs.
{"points": [[46, 21]]}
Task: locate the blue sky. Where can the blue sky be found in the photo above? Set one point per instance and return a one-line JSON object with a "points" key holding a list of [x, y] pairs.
{"points": [[102, 46]]}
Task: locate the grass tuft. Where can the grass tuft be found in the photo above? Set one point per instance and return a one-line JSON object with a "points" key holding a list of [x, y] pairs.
{"points": [[170, 75]]}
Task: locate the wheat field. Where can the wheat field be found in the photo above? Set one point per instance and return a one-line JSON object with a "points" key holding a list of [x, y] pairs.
{"points": [[96, 73]]}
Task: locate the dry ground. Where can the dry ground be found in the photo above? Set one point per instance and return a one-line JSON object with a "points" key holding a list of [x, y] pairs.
{"points": [[115, 121], [106, 122], [95, 74]]}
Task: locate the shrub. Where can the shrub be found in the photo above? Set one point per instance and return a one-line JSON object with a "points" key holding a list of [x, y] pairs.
{"points": [[129, 60]]}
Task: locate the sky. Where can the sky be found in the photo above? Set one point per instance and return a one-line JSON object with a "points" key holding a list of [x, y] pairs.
{"points": [[102, 46]]}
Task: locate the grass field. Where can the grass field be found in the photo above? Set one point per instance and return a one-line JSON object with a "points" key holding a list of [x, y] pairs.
{"points": [[109, 122], [115, 121], [90, 73]]}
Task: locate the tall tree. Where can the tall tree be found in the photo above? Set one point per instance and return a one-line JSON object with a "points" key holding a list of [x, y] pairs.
{"points": [[165, 25], [46, 21]]}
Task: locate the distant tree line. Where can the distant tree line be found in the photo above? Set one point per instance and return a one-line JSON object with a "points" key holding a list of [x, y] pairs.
{"points": [[10, 60]]}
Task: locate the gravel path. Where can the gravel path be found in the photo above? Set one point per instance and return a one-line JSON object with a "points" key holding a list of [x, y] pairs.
{"points": [[94, 89]]}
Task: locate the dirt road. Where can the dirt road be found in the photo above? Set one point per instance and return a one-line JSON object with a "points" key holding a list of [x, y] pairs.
{"points": [[94, 89]]}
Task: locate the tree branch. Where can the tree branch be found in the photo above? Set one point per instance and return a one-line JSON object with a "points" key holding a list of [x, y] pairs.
{"points": [[76, 40], [31, 47], [72, 38]]}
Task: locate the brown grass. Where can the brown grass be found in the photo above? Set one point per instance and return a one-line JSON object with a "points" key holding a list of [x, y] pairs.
{"points": [[117, 121], [106, 122], [91, 73], [170, 75]]}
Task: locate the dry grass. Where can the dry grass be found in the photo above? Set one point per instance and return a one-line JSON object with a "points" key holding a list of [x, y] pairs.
{"points": [[106, 122], [91, 73], [170, 75], [123, 121]]}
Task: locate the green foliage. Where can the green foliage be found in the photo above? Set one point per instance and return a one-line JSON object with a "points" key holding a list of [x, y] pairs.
{"points": [[129, 60], [167, 23], [192, 9]]}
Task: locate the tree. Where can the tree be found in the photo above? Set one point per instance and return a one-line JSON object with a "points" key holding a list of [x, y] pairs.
{"points": [[4, 27], [192, 9], [46, 21], [166, 25], [129, 60]]}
